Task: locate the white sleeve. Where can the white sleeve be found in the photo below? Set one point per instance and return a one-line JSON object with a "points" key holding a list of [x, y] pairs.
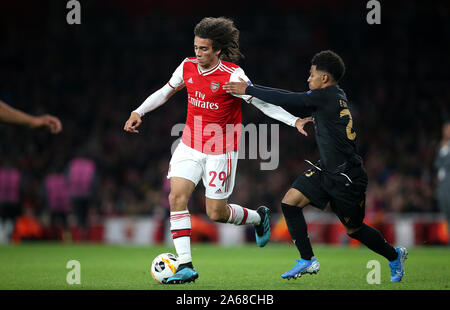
{"points": [[271, 110], [234, 77], [177, 77], [160, 96], [155, 100], [275, 112]]}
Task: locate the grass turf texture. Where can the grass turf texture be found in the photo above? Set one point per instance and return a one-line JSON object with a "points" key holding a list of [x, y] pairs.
{"points": [[42, 266]]}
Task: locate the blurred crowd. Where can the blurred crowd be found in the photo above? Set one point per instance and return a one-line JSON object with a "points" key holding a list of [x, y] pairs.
{"points": [[94, 74]]}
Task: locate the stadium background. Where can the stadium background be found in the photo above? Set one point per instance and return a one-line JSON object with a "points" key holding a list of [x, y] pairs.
{"points": [[94, 74]]}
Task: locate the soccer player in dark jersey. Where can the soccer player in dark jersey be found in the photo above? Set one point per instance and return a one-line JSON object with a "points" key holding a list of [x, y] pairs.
{"points": [[339, 177]]}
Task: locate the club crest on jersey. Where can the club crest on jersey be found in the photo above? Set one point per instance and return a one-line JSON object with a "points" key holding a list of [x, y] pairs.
{"points": [[215, 86]]}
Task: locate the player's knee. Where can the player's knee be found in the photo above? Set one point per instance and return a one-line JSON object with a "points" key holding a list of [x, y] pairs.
{"points": [[216, 210], [352, 230], [178, 201], [295, 198], [287, 199], [215, 215]]}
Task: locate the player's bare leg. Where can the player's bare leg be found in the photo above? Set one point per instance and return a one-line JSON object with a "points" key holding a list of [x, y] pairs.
{"points": [[294, 197], [292, 204], [180, 191], [180, 226], [219, 210]]}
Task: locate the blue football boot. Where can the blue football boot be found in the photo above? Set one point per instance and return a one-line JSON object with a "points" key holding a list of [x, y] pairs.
{"points": [[398, 265], [303, 266], [262, 231], [184, 274]]}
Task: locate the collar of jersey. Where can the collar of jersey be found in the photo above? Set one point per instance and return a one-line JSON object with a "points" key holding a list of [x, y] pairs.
{"points": [[210, 70]]}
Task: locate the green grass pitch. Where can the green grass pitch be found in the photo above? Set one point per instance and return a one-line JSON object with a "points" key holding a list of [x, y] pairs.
{"points": [[42, 266]]}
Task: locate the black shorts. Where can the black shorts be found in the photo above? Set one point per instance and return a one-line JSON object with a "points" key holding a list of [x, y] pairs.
{"points": [[347, 198]]}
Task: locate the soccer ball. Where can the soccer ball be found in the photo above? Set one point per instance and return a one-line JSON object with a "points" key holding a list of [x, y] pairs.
{"points": [[164, 266]]}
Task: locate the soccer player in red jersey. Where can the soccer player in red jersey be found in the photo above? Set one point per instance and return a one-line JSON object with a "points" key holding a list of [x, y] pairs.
{"points": [[209, 145]]}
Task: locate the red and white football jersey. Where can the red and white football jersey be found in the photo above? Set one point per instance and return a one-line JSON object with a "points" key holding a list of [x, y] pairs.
{"points": [[213, 123]]}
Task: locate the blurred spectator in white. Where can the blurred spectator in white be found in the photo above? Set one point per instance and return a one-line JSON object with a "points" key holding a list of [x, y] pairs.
{"points": [[10, 199], [442, 164]]}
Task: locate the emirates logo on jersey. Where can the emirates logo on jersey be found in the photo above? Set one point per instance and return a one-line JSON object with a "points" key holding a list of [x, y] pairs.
{"points": [[215, 86]]}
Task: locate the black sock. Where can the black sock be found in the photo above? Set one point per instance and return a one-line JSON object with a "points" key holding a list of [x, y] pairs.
{"points": [[297, 228], [375, 241], [185, 265]]}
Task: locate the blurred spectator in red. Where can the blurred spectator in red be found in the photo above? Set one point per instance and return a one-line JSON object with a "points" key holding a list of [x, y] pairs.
{"points": [[27, 227]]}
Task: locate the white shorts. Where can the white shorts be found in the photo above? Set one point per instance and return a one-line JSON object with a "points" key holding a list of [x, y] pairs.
{"points": [[217, 171]]}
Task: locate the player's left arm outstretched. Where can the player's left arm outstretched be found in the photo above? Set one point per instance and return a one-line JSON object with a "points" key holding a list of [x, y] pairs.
{"points": [[274, 95], [271, 110], [14, 116], [156, 99]]}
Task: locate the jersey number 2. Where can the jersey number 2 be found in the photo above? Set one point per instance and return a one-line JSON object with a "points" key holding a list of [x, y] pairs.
{"points": [[350, 133]]}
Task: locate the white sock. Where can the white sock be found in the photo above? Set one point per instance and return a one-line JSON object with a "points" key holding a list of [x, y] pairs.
{"points": [[180, 227], [242, 216]]}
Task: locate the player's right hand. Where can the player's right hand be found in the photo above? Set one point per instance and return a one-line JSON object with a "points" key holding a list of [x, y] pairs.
{"points": [[237, 88], [301, 122], [132, 123], [48, 122]]}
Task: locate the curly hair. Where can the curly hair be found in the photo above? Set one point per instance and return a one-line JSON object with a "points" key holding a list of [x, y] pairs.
{"points": [[224, 36], [330, 62]]}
